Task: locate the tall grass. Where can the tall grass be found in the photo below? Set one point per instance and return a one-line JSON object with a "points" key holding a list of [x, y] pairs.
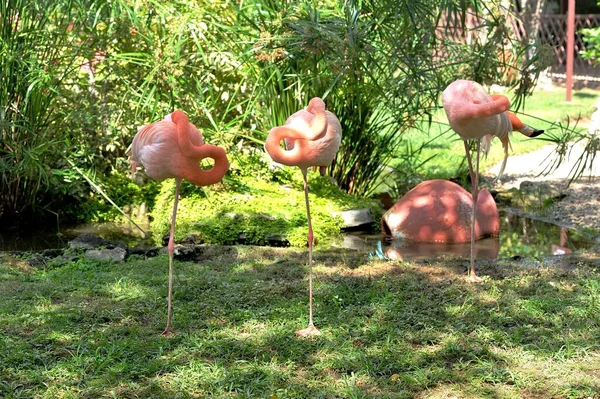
{"points": [[37, 52]]}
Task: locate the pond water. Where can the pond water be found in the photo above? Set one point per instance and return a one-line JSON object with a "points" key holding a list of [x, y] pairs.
{"points": [[37, 240], [520, 236]]}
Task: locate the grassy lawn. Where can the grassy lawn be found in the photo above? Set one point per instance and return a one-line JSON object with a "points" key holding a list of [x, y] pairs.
{"points": [[390, 329], [541, 110]]}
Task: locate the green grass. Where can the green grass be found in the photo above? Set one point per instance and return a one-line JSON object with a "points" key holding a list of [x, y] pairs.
{"points": [[541, 110], [390, 330]]}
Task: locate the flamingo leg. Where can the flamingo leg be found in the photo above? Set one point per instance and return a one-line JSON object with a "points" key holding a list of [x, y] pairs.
{"points": [[171, 251], [474, 193], [311, 329]]}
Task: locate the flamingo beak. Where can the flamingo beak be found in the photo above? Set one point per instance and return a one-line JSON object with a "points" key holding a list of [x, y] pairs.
{"points": [[536, 133]]}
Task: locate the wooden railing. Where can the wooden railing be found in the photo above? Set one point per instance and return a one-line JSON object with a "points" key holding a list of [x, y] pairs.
{"points": [[553, 31]]}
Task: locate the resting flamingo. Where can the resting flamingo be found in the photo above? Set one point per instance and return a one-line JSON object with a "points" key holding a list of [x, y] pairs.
{"points": [[475, 115], [173, 148], [312, 138]]}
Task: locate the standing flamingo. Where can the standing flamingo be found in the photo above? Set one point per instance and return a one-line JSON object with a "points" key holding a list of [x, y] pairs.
{"points": [[475, 115], [173, 148], [312, 138]]}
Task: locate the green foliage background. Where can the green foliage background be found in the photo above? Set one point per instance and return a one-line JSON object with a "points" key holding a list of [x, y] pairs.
{"points": [[102, 68]]}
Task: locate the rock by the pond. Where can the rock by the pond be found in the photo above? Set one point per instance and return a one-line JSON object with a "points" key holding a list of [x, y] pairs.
{"points": [[37, 260], [355, 217], [92, 241], [106, 255], [146, 252], [185, 252], [277, 240], [440, 211]]}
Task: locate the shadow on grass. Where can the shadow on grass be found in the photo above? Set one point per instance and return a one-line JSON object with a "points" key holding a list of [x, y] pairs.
{"points": [[390, 329]]}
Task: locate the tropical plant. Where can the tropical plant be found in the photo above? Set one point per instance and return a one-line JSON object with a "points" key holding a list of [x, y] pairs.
{"points": [[380, 65], [151, 58], [78, 78], [38, 50]]}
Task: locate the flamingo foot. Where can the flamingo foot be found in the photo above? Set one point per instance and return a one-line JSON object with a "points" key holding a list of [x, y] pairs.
{"points": [[310, 331], [474, 279], [169, 332]]}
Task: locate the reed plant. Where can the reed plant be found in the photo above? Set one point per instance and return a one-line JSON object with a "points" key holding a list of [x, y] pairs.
{"points": [[38, 49]]}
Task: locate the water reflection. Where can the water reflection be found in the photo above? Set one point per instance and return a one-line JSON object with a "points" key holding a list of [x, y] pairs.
{"points": [[519, 236], [524, 236], [562, 249], [14, 240], [37, 240], [487, 248]]}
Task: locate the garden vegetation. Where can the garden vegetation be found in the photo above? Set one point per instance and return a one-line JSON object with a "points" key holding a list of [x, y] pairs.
{"points": [[78, 77]]}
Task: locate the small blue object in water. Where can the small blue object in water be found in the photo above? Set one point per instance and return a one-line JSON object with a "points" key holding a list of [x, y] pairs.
{"points": [[378, 252]]}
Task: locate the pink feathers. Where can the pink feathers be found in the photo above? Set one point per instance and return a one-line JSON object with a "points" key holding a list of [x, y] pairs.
{"points": [[474, 114], [312, 137], [173, 148]]}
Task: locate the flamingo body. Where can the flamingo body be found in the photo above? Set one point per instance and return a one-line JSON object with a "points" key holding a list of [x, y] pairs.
{"points": [[173, 148], [475, 115], [312, 137], [153, 148], [168, 149]]}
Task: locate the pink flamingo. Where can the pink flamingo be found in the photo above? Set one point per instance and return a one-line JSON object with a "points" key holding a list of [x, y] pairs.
{"points": [[173, 148], [312, 138], [475, 115]]}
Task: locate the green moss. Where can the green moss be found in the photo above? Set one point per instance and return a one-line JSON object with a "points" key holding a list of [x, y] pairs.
{"points": [[253, 211]]}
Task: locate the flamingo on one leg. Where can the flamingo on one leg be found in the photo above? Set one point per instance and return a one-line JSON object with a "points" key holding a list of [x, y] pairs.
{"points": [[475, 115], [173, 148], [312, 138]]}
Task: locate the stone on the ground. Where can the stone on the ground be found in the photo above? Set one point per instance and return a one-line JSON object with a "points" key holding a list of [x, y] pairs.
{"points": [[91, 241], [106, 255], [355, 217]]}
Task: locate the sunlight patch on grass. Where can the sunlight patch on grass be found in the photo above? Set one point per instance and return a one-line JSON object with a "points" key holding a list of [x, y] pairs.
{"points": [[62, 337], [125, 288]]}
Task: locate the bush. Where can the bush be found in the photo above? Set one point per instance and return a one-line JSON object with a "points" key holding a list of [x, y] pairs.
{"points": [[378, 69], [591, 37]]}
